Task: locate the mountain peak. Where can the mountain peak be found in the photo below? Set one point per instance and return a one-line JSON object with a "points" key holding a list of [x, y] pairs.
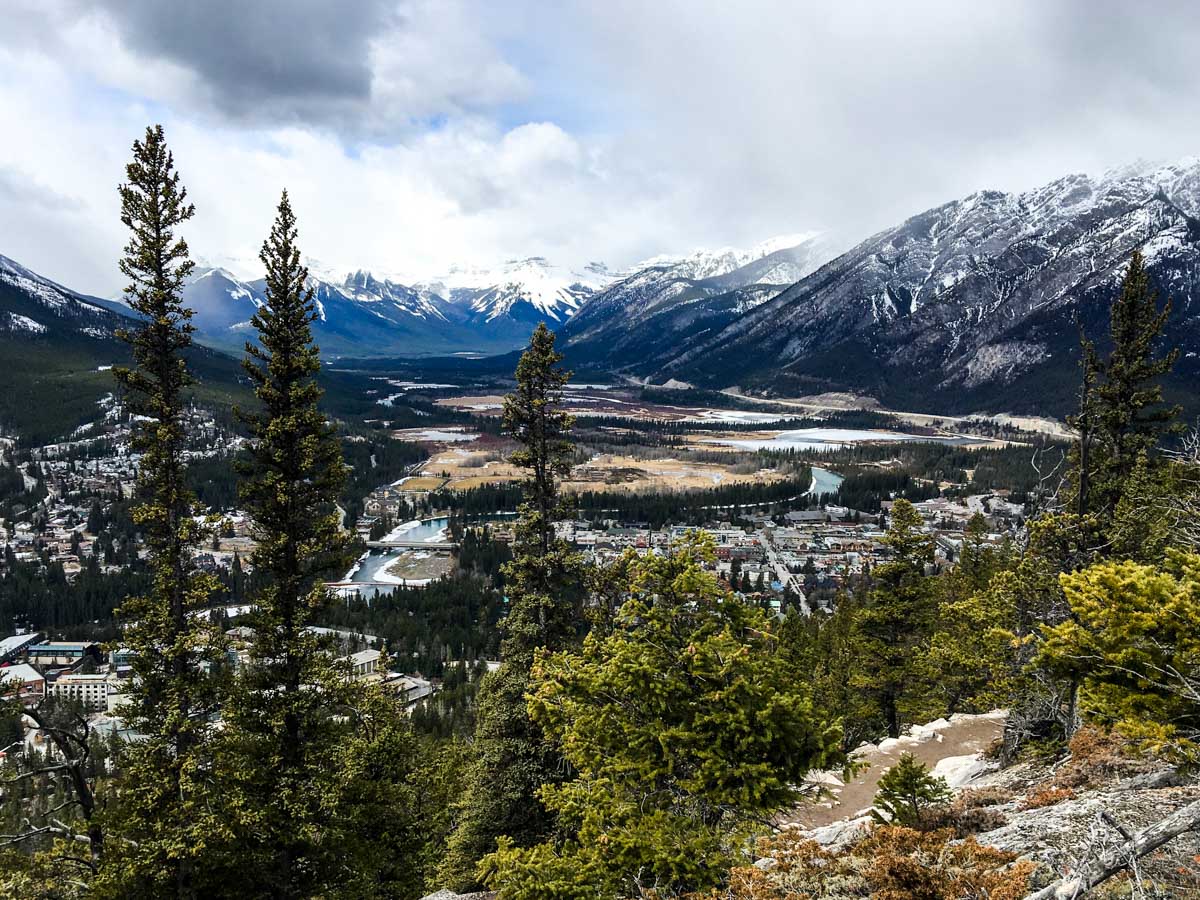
{"points": [[704, 263]]}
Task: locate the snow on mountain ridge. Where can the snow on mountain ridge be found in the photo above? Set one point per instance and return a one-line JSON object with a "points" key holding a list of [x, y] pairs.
{"points": [[490, 293], [704, 263], [975, 295]]}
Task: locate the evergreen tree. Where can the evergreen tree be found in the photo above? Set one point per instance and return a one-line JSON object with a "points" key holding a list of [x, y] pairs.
{"points": [[1132, 643], [1129, 414], [684, 725], [542, 578], [907, 793], [165, 778], [543, 583], [284, 723], [95, 520], [896, 617]]}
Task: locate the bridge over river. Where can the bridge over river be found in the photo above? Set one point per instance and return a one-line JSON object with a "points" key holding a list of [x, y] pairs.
{"points": [[412, 545]]}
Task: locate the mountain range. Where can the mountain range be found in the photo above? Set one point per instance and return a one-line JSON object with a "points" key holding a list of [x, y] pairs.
{"points": [[469, 310], [363, 314], [974, 304]]}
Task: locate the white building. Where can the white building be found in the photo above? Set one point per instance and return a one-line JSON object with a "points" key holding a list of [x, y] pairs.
{"points": [[89, 690]]}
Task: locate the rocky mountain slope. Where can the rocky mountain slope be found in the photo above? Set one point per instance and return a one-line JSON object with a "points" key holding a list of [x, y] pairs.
{"points": [[666, 303], [58, 347], [35, 307], [971, 304], [481, 311], [1061, 815]]}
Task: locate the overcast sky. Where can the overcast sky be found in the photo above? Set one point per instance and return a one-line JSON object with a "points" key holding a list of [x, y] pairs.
{"points": [[415, 135]]}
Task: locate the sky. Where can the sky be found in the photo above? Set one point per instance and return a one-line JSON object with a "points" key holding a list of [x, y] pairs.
{"points": [[417, 135]]}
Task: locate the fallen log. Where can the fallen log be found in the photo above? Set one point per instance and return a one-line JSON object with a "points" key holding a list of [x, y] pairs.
{"points": [[1119, 858]]}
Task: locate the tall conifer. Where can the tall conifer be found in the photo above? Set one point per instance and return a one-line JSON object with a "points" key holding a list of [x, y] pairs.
{"points": [[165, 778], [543, 582], [285, 723], [1129, 415], [898, 613]]}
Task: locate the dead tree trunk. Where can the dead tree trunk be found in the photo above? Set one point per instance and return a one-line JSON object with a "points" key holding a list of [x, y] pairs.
{"points": [[1109, 864]]}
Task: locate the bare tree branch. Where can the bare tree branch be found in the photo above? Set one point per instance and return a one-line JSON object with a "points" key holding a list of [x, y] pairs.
{"points": [[1113, 861]]}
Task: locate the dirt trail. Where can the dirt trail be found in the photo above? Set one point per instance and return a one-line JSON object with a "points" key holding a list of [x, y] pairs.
{"points": [[961, 736]]}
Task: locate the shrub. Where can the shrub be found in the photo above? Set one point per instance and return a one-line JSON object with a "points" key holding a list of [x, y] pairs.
{"points": [[1047, 796], [1098, 756], [964, 821], [890, 863], [974, 798], [907, 792]]}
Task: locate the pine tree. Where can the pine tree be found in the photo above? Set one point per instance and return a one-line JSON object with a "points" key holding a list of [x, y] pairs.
{"points": [[165, 778], [541, 613], [682, 726], [907, 793], [897, 615], [313, 761], [95, 519], [1129, 415], [543, 583], [286, 722]]}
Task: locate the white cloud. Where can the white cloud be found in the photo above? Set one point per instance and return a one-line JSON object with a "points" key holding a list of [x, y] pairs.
{"points": [[418, 134]]}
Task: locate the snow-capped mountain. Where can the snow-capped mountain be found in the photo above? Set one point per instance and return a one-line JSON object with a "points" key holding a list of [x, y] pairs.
{"points": [[669, 300], [34, 306], [367, 314], [391, 297], [522, 289], [702, 264], [483, 310], [970, 303], [357, 316]]}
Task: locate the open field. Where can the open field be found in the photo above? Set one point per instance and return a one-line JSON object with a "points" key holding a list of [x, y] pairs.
{"points": [[423, 483], [602, 403], [462, 469], [825, 403], [420, 565], [627, 473], [463, 458], [623, 402]]}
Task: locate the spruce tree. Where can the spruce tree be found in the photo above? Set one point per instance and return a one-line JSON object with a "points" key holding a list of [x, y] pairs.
{"points": [[908, 793], [543, 582], [898, 613], [685, 727], [284, 723], [1130, 417], [165, 784]]}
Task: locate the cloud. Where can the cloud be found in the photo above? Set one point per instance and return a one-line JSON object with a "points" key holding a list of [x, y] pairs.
{"points": [[19, 187], [366, 69], [862, 113], [416, 134]]}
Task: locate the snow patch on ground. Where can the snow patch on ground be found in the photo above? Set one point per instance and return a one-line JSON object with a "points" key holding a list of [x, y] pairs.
{"points": [[959, 770]]}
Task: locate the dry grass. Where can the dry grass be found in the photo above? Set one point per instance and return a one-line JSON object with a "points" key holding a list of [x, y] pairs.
{"points": [[610, 472], [461, 469], [418, 566], [1098, 756], [422, 483]]}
